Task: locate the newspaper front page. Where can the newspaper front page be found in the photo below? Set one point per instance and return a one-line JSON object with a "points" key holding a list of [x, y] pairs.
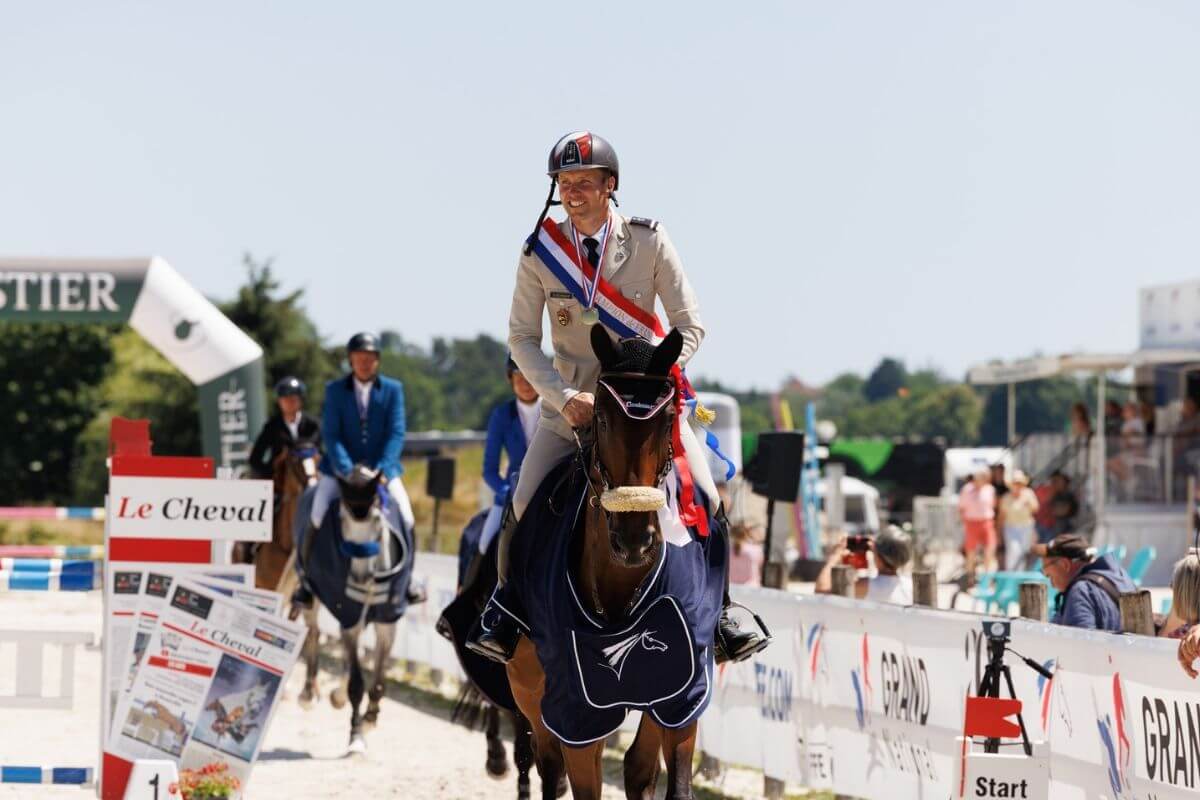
{"points": [[208, 684], [124, 592], [156, 585]]}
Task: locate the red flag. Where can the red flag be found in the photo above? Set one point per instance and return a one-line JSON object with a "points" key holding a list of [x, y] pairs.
{"points": [[989, 717]]}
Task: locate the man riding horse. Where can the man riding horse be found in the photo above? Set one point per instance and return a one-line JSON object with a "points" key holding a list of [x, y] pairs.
{"points": [[363, 426], [596, 267], [290, 429]]}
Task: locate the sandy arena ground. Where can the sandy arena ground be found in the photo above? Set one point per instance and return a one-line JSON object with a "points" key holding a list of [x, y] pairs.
{"points": [[415, 753]]}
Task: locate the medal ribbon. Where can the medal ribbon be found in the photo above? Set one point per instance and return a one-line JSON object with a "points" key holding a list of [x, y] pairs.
{"points": [[590, 291], [625, 318]]}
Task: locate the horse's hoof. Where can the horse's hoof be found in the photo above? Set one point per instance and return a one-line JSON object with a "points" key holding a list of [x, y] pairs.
{"points": [[497, 768], [308, 699], [370, 721], [358, 746], [338, 697]]}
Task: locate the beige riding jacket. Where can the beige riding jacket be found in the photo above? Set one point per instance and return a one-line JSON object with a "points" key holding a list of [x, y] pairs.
{"points": [[640, 263]]}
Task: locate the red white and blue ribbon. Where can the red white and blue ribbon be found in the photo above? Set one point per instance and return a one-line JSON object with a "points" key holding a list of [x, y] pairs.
{"points": [[626, 319], [590, 287]]}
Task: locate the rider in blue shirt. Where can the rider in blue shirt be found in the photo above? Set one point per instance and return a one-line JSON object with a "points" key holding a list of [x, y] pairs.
{"points": [[510, 429], [362, 422]]}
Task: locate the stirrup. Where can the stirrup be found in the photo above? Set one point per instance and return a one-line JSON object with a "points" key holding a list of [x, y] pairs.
{"points": [[752, 642]]}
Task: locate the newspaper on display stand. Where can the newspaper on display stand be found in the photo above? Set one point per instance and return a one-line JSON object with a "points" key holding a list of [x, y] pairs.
{"points": [[156, 585], [208, 684], [127, 587]]}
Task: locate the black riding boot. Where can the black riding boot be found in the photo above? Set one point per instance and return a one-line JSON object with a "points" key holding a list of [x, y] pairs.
{"points": [[731, 642], [495, 634], [303, 596]]}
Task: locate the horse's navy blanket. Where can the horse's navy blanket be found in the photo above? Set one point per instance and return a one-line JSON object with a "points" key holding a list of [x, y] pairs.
{"points": [[657, 658], [327, 570]]}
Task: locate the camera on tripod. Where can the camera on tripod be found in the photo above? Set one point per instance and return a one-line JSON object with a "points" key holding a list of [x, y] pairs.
{"points": [[999, 634]]}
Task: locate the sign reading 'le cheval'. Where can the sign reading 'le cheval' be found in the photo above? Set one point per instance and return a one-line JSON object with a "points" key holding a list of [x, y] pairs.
{"points": [[190, 508]]}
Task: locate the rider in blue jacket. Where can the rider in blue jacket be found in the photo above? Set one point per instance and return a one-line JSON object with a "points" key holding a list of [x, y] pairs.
{"points": [[362, 422], [510, 429]]}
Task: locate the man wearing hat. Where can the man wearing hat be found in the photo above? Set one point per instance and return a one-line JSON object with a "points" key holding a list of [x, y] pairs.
{"points": [[597, 267], [1089, 588], [363, 424], [290, 428], [1016, 511]]}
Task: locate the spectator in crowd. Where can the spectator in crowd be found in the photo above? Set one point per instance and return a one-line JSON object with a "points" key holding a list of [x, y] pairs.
{"points": [[1064, 506], [1132, 446], [1017, 510], [1112, 419], [1186, 439], [746, 556], [1185, 597], [1089, 588], [1044, 518], [891, 551], [1081, 423], [1146, 412], [977, 508]]}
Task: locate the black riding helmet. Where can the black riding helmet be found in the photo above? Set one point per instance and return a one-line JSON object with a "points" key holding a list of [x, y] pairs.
{"points": [[576, 151], [510, 366], [289, 386], [363, 343]]}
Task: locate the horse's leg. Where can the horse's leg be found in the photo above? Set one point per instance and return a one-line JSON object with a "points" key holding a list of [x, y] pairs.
{"points": [[528, 683], [642, 763], [496, 763], [311, 653], [385, 636], [522, 753], [355, 688], [678, 744], [585, 770]]}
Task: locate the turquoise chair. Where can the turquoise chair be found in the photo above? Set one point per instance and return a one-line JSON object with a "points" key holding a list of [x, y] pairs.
{"points": [[1139, 565]]}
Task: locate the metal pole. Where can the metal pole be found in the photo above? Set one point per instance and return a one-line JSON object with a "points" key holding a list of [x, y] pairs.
{"points": [[767, 544], [1012, 414], [1098, 469]]}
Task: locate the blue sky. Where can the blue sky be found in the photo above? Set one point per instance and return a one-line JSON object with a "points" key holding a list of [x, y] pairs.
{"points": [[940, 181]]}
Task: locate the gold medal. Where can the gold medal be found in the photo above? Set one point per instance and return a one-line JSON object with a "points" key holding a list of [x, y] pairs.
{"points": [[590, 316], [564, 317]]}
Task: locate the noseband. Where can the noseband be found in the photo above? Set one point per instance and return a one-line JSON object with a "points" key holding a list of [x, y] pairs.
{"points": [[640, 406]]}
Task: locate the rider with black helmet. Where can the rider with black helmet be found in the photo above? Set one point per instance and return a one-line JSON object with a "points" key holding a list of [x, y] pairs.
{"points": [[363, 423], [559, 275], [291, 428]]}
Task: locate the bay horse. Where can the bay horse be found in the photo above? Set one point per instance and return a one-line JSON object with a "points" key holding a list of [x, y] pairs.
{"points": [[612, 564], [359, 567], [293, 471]]}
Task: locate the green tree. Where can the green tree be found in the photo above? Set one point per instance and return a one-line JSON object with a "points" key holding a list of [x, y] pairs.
{"points": [[950, 412], [278, 322], [48, 393], [472, 377], [888, 377]]}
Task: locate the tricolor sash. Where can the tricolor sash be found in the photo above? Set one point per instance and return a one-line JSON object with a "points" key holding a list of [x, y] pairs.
{"points": [[626, 319]]}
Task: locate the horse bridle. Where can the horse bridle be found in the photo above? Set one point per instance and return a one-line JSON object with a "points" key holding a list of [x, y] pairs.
{"points": [[662, 404]]}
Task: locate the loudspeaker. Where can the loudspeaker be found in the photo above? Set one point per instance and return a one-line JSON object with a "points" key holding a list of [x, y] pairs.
{"points": [[774, 472], [439, 482]]}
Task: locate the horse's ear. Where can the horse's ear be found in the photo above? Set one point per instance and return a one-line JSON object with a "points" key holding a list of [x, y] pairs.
{"points": [[666, 354], [605, 349]]}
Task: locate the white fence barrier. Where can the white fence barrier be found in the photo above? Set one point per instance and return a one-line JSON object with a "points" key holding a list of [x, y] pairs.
{"points": [[867, 699]]}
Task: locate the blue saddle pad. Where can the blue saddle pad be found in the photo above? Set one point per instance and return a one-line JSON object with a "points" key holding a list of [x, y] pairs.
{"points": [[327, 570]]}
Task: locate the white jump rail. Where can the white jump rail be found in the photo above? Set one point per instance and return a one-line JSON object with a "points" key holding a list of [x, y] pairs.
{"points": [[30, 667]]}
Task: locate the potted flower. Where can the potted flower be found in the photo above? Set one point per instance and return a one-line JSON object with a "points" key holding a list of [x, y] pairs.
{"points": [[210, 782]]}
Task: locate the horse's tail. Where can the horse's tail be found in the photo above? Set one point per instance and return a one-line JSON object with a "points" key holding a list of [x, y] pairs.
{"points": [[469, 708]]}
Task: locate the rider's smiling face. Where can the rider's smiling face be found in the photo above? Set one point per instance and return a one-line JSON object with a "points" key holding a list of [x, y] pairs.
{"points": [[364, 365], [584, 194]]}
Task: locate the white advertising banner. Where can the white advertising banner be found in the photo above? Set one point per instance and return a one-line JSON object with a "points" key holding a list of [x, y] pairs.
{"points": [[190, 508], [868, 700]]}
